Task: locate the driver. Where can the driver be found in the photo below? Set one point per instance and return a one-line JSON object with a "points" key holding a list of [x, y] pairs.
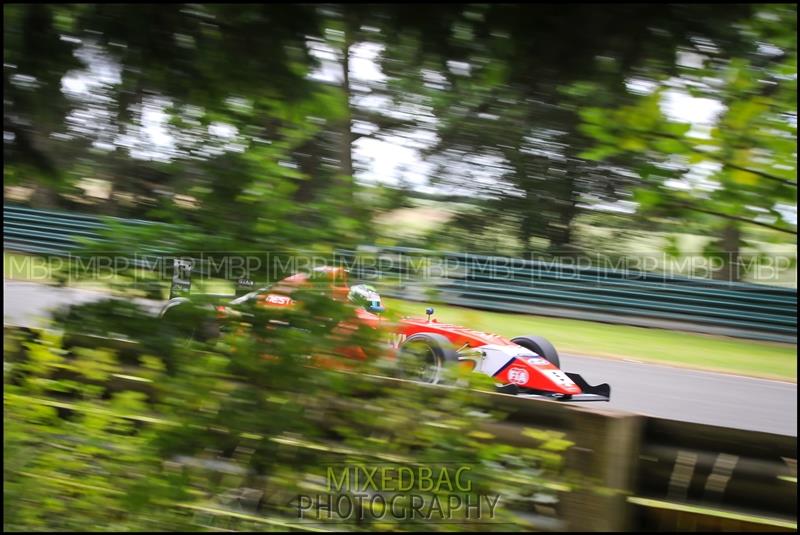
{"points": [[364, 295]]}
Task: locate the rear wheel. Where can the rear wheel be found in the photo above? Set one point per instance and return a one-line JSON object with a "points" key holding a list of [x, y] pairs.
{"points": [[425, 357], [540, 346], [188, 322]]}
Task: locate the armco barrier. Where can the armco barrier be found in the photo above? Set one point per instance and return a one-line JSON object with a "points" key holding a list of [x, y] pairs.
{"points": [[648, 299], [615, 296], [48, 231], [646, 474]]}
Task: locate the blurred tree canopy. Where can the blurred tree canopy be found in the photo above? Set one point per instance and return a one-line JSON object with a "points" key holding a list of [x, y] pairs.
{"points": [[749, 155], [537, 113], [510, 92], [238, 69]]}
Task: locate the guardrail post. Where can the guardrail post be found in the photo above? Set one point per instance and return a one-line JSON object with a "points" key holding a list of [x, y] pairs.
{"points": [[604, 460]]}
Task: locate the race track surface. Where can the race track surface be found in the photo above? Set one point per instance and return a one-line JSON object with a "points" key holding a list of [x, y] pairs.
{"points": [[645, 388], [693, 395]]}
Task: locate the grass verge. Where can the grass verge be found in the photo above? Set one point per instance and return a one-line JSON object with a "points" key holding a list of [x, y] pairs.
{"points": [[732, 355]]}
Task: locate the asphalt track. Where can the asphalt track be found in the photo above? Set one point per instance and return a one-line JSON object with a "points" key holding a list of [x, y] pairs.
{"points": [[652, 389]]}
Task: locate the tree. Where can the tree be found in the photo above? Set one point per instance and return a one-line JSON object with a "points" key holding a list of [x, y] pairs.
{"points": [[750, 153], [494, 78], [34, 107], [242, 70]]}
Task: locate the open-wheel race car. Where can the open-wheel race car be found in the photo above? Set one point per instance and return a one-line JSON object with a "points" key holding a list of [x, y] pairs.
{"points": [[527, 366]]}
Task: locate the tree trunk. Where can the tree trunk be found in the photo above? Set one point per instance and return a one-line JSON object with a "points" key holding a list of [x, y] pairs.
{"points": [[44, 196], [561, 237], [731, 244], [308, 158], [525, 235], [346, 150]]}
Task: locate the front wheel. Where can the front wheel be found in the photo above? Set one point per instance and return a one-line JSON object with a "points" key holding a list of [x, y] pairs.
{"points": [[540, 346], [425, 357]]}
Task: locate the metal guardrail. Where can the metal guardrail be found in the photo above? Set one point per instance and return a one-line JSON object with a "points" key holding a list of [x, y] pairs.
{"points": [[655, 474], [50, 232], [614, 296], [640, 298]]}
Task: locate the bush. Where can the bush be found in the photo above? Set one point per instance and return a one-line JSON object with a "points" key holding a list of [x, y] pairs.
{"points": [[240, 432]]}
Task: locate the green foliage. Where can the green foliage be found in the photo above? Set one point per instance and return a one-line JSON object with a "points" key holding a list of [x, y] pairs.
{"points": [[254, 189], [137, 439], [750, 150], [73, 456], [508, 116]]}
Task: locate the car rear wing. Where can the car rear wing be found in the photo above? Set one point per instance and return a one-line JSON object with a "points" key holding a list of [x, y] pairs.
{"points": [[181, 285], [181, 278]]}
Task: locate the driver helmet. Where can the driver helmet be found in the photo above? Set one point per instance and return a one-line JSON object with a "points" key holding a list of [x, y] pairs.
{"points": [[365, 296]]}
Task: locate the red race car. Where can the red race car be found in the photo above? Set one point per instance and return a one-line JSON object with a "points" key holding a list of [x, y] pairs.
{"points": [[527, 366]]}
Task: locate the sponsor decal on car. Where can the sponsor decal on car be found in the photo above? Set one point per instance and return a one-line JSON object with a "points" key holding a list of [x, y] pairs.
{"points": [[518, 376], [559, 377], [538, 361], [278, 299]]}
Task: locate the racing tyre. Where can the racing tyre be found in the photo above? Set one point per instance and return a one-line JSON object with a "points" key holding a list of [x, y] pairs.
{"points": [[424, 357], [187, 321], [540, 346]]}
